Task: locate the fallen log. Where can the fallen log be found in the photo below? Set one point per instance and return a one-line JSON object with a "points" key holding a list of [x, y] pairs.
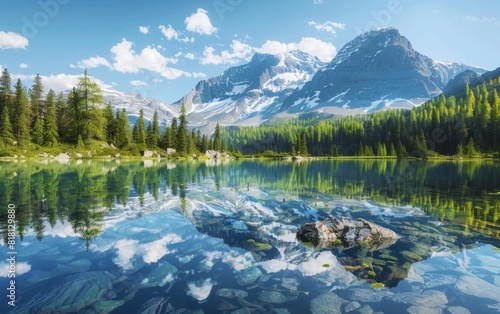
{"points": [[342, 233]]}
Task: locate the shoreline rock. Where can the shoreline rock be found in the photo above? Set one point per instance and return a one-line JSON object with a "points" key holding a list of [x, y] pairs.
{"points": [[342, 233]]}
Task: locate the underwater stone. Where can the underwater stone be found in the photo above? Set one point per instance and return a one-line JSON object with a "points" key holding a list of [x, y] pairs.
{"points": [[272, 297], [352, 306], [153, 306], [231, 293], [160, 276], [368, 295], [248, 276], [342, 233], [418, 309], [477, 287], [328, 302], [73, 294], [428, 298], [244, 310], [457, 310], [366, 309], [104, 307]]}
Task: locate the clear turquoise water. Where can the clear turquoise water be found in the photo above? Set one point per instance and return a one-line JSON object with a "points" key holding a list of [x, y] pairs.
{"points": [[182, 237]]}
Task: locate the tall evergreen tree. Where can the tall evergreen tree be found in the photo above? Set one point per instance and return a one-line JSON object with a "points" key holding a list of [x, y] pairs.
{"points": [[21, 125], [111, 123], [36, 97], [5, 89], [6, 135], [50, 127], [123, 135], [62, 117], [75, 117], [37, 131], [154, 134], [182, 136], [90, 96], [217, 138], [139, 130]]}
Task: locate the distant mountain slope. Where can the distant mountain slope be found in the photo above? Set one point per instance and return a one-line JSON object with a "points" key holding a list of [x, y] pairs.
{"points": [[250, 93], [374, 70], [456, 87], [133, 103]]}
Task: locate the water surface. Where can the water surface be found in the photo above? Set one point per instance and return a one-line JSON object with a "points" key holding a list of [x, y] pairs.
{"points": [[162, 236]]}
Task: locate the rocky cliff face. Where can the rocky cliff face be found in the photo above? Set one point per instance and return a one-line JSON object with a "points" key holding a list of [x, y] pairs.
{"points": [[251, 93], [372, 70]]}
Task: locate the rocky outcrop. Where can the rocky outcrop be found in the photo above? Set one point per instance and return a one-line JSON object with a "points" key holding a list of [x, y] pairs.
{"points": [[342, 233], [213, 154]]}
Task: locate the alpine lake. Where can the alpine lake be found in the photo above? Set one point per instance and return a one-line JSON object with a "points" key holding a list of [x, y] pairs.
{"points": [[158, 236]]}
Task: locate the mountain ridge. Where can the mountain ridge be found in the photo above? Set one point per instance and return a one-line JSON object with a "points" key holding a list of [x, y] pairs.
{"points": [[376, 70]]}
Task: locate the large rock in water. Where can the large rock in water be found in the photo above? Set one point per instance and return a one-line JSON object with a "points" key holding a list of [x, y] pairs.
{"points": [[342, 233]]}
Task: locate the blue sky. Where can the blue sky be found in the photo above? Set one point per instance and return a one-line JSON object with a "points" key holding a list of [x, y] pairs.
{"points": [[162, 48]]}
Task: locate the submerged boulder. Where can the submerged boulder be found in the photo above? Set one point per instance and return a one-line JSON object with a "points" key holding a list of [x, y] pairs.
{"points": [[343, 233]]}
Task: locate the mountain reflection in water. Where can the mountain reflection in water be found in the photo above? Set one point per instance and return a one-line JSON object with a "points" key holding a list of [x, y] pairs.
{"points": [[147, 231]]}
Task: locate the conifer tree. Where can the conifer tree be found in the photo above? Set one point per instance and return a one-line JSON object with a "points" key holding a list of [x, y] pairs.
{"points": [[75, 117], [50, 126], [182, 136], [37, 132], [139, 130], [154, 134], [21, 125], [111, 123], [90, 96], [5, 89], [123, 135], [217, 138], [6, 135], [62, 118], [36, 98]]}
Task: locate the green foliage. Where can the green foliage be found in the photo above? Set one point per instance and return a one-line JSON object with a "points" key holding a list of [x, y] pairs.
{"points": [[50, 126], [6, 135], [21, 125], [123, 136], [437, 127], [182, 136], [37, 132], [139, 131], [153, 133]]}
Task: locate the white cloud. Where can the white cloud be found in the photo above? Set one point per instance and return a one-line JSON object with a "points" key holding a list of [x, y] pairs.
{"points": [[155, 250], [273, 47], [137, 83], [315, 47], [126, 249], [319, 1], [315, 266], [200, 290], [198, 74], [199, 22], [190, 55], [59, 83], [144, 29], [476, 19], [323, 50], [24, 66], [11, 40], [328, 26], [239, 51], [126, 60], [21, 268], [170, 33], [92, 62]]}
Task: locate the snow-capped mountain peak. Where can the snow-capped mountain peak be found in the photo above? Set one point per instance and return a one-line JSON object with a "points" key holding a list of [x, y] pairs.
{"points": [[250, 93]]}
